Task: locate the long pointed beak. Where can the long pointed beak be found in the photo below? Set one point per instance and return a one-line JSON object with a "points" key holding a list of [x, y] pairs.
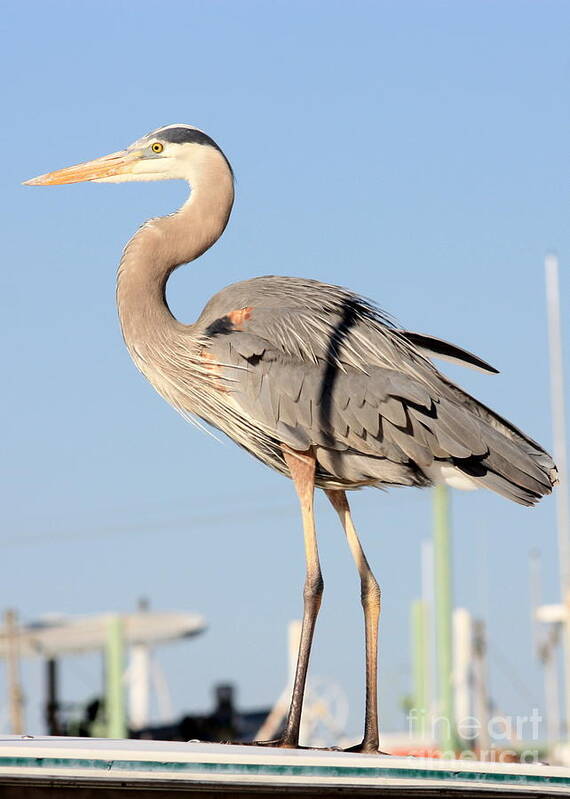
{"points": [[114, 164]]}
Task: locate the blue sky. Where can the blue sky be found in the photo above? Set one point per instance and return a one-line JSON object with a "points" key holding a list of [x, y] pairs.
{"points": [[414, 151]]}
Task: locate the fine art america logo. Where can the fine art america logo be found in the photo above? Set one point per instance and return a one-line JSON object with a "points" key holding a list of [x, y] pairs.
{"points": [[499, 738]]}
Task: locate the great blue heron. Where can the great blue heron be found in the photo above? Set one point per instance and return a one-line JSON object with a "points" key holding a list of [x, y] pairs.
{"points": [[310, 378]]}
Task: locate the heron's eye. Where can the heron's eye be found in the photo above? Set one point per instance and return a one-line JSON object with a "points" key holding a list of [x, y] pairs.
{"points": [[157, 147]]}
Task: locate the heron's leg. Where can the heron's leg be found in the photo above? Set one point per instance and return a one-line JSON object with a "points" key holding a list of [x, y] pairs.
{"points": [[370, 595], [302, 468]]}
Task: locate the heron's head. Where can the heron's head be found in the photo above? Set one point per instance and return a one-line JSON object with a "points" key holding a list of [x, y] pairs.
{"points": [[169, 153]]}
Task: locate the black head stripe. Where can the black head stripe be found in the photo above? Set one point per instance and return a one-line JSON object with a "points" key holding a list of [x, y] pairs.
{"points": [[186, 136], [182, 135]]}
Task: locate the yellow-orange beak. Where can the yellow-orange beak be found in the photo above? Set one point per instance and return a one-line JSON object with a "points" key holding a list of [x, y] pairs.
{"points": [[117, 163]]}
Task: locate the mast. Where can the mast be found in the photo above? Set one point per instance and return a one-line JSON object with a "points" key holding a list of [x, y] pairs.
{"points": [[559, 445]]}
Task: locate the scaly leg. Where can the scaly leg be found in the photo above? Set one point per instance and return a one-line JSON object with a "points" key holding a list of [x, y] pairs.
{"points": [[302, 468], [370, 596]]}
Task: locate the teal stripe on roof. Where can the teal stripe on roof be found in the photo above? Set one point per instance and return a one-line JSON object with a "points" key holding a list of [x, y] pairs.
{"points": [[274, 770]]}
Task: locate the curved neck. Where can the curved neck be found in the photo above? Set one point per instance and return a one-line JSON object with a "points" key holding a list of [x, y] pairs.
{"points": [[164, 243]]}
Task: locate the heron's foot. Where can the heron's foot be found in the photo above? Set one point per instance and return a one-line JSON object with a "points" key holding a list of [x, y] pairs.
{"points": [[228, 742], [282, 743], [366, 748]]}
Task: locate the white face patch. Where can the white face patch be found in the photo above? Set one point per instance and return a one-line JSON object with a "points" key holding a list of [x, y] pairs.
{"points": [[160, 168], [187, 154], [176, 162]]}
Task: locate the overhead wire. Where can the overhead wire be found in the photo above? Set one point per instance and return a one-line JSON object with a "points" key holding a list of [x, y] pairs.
{"points": [[156, 525]]}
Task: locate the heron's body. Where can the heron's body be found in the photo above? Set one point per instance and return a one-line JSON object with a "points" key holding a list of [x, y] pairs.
{"points": [[278, 360], [308, 377], [287, 360]]}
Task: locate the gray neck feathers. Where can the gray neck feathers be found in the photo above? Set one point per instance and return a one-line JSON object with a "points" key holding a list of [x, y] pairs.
{"points": [[159, 247]]}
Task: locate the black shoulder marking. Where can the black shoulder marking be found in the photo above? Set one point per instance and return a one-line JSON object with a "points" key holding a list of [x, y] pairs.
{"points": [[220, 327]]}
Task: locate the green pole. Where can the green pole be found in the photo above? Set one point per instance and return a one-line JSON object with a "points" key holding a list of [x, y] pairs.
{"points": [[420, 666], [443, 619], [114, 696]]}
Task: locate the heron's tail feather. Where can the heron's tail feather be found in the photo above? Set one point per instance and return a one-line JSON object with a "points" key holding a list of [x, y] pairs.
{"points": [[514, 465]]}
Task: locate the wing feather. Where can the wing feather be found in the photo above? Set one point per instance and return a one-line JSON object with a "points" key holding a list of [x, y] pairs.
{"points": [[315, 365]]}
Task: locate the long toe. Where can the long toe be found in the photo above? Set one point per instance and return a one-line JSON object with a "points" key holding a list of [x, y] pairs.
{"points": [[366, 748], [278, 743]]}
